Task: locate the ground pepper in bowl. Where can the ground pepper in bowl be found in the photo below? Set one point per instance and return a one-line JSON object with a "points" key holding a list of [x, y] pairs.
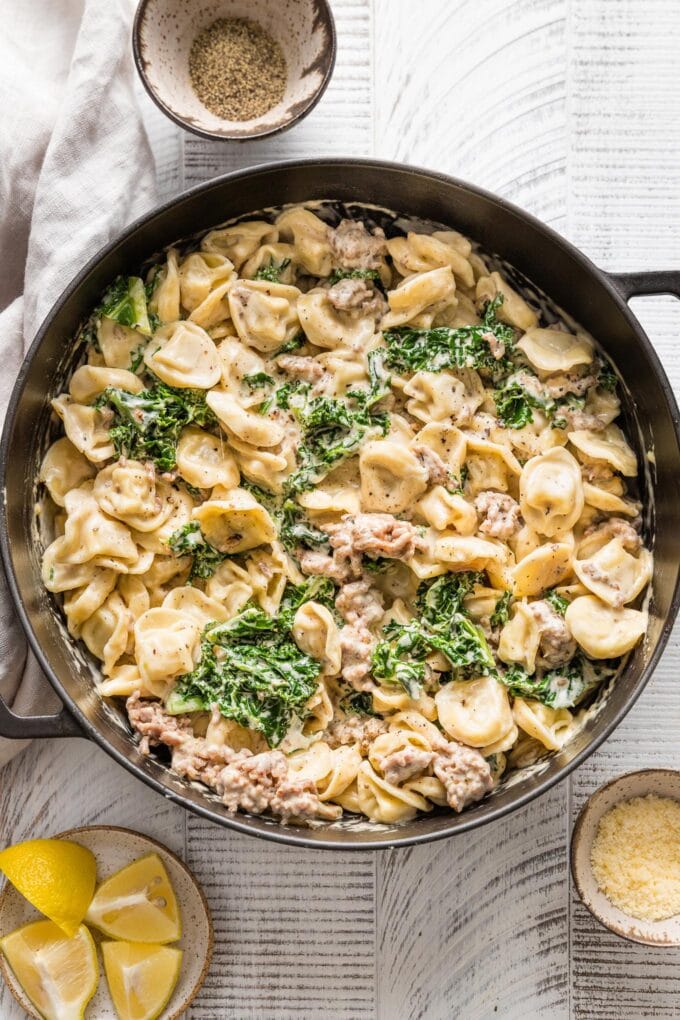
{"points": [[237, 70]]}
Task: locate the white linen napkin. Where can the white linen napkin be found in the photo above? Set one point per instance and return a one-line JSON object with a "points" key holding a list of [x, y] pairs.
{"points": [[75, 167]]}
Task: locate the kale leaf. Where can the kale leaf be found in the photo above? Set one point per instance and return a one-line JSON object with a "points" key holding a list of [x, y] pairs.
{"points": [[357, 703], [514, 405], [258, 380], [125, 302], [559, 604], [189, 540], [500, 615], [291, 345], [353, 274], [441, 625], [564, 687], [432, 350], [281, 397], [356, 274], [607, 379], [334, 428], [317, 589], [272, 272], [147, 425], [295, 529], [253, 671]]}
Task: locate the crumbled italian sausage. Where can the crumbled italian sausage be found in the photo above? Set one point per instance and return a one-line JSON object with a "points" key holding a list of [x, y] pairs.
{"points": [[354, 248], [464, 773], [501, 516]]}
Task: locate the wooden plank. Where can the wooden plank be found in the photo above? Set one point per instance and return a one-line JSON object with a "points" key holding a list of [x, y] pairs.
{"points": [[476, 925], [624, 206], [294, 930], [477, 90]]}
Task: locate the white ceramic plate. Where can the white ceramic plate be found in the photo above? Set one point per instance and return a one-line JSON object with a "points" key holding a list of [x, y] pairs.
{"points": [[664, 783], [114, 848]]}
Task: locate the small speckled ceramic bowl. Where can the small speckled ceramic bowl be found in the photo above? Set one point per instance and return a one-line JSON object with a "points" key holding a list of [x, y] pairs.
{"points": [[663, 783], [114, 848], [164, 30]]}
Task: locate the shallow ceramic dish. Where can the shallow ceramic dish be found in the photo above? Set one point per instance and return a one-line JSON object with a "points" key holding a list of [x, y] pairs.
{"points": [[114, 848], [164, 30], [663, 783]]}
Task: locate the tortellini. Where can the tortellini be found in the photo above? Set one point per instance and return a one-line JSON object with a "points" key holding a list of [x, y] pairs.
{"points": [[316, 632], [235, 523], [392, 477], [241, 241], [419, 297], [552, 350], [474, 712], [182, 354], [86, 429], [319, 563], [549, 726], [205, 460], [64, 468], [264, 314], [325, 326], [513, 309], [602, 631], [608, 446], [614, 574], [248, 426], [418, 253], [130, 492], [551, 492], [88, 381], [165, 641], [438, 396]]}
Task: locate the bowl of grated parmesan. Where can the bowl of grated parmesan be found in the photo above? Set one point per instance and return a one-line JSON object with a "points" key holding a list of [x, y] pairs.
{"points": [[625, 856]]}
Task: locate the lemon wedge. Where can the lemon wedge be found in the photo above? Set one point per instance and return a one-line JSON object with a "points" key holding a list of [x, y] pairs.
{"points": [[141, 977], [55, 875], [59, 974], [137, 904]]}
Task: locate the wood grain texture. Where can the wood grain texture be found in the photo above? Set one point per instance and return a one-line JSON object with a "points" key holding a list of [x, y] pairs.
{"points": [[566, 107], [294, 930], [624, 208]]}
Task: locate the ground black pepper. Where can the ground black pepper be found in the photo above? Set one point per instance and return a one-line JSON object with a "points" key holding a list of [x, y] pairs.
{"points": [[237, 70]]}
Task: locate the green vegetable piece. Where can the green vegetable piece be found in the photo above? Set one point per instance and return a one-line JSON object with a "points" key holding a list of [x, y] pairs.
{"points": [[500, 615], [189, 540], [272, 272], [148, 425], [559, 604], [442, 347], [125, 302], [253, 671], [442, 625], [564, 687]]}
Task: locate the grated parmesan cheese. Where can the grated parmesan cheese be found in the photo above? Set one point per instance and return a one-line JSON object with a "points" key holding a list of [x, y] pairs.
{"points": [[636, 857]]}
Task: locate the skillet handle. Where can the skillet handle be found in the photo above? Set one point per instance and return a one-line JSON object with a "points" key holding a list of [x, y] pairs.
{"points": [[19, 727], [664, 281]]}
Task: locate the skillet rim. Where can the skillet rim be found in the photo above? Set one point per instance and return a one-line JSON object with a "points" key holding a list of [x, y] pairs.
{"points": [[253, 825]]}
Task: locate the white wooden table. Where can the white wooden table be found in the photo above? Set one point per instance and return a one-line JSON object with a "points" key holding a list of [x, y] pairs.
{"points": [[570, 109]]}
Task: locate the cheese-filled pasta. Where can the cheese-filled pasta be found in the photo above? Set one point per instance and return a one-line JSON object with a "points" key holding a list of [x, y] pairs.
{"points": [[347, 519]]}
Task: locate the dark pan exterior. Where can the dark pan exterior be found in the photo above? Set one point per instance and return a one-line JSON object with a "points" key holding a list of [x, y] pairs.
{"points": [[592, 298]]}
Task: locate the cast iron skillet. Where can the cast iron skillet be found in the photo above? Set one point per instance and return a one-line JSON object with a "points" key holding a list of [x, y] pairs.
{"points": [[595, 299]]}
